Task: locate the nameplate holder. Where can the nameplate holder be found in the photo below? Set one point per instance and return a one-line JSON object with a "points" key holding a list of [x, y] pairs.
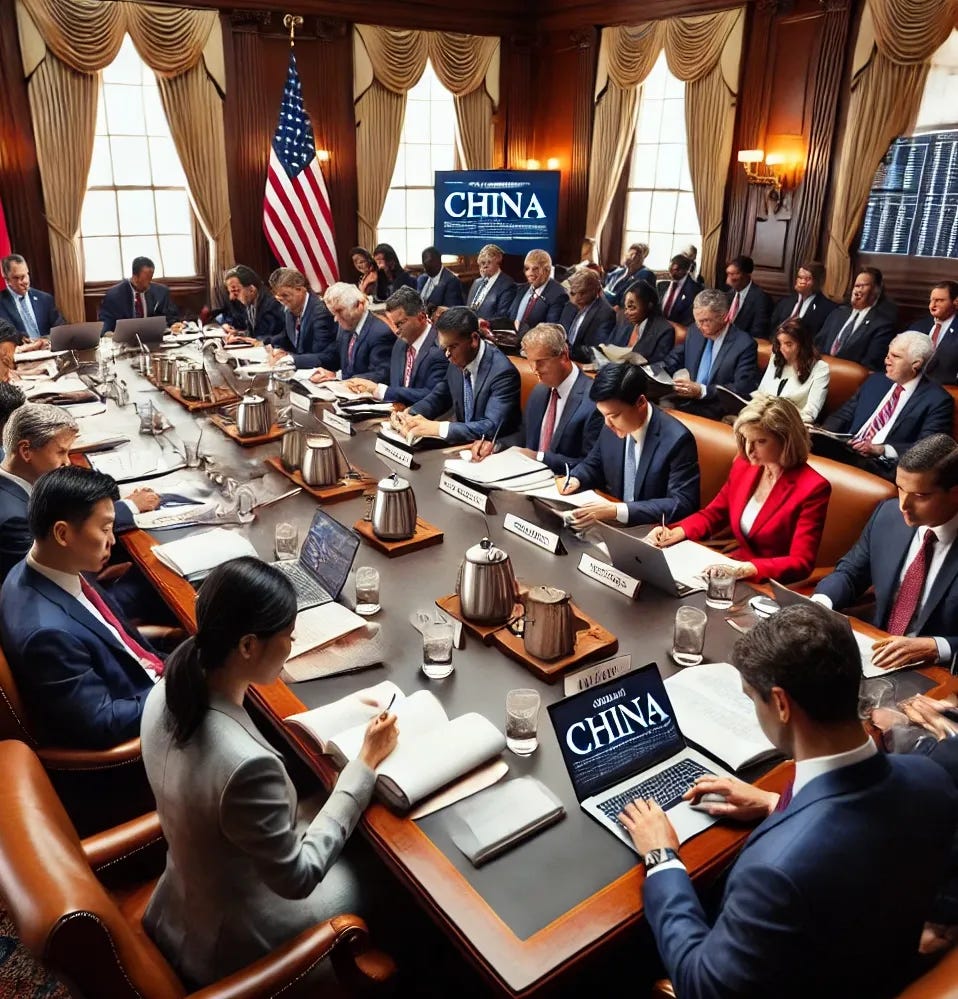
{"points": [[300, 401], [591, 676], [475, 498], [533, 533], [338, 423], [396, 454], [609, 576]]}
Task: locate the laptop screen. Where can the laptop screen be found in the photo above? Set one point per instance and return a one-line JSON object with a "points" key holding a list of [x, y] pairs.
{"points": [[615, 730], [328, 552]]}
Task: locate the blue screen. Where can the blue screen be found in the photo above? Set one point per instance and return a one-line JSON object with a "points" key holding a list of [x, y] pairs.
{"points": [[328, 552]]}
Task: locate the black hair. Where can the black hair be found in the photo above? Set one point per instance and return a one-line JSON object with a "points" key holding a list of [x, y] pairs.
{"points": [[11, 398], [643, 290], [361, 251], [245, 275], [139, 263], [682, 260], [407, 299], [937, 453], [245, 596], [745, 264], [622, 382], [10, 334], [69, 493], [389, 257], [459, 320], [816, 269], [432, 251], [950, 286], [874, 273]]}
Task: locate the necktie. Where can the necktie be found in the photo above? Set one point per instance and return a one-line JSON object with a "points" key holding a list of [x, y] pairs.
{"points": [[410, 361], [251, 317], [549, 424], [935, 333], [798, 307], [705, 365], [29, 320], [138, 305], [576, 324], [480, 293], [351, 348], [785, 798], [634, 339], [530, 305], [296, 325], [881, 417], [670, 299], [144, 657], [736, 305], [628, 474], [912, 585], [468, 400], [848, 328]]}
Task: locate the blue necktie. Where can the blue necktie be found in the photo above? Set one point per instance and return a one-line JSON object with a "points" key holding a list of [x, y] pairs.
{"points": [[480, 294], [468, 400], [29, 320], [628, 477], [705, 365]]}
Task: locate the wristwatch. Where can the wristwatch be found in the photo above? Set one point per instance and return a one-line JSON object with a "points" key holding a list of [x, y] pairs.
{"points": [[659, 856]]}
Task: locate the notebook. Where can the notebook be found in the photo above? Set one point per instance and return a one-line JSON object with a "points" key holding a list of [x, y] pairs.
{"points": [[327, 555], [620, 741], [149, 330]]}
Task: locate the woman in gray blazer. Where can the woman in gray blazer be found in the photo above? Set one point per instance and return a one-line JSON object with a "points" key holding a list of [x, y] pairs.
{"points": [[242, 876]]}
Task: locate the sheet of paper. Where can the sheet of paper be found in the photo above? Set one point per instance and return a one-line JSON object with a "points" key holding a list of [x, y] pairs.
{"points": [[199, 553], [253, 354], [582, 498], [68, 383], [689, 560], [497, 468], [22, 357], [130, 463], [319, 626]]}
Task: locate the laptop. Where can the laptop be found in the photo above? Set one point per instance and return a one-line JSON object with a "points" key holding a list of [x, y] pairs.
{"points": [[327, 555], [76, 336], [149, 330], [620, 741]]}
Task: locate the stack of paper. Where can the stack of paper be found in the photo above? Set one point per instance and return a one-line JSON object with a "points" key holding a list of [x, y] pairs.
{"points": [[510, 469], [195, 556]]}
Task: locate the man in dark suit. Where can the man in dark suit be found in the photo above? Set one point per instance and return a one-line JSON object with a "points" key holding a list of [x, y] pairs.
{"points": [[890, 412], [31, 311], [799, 915], [643, 456], [751, 308], [633, 269], [493, 292], [364, 343], [808, 302], [713, 353], [907, 551], [678, 293], [543, 299], [859, 332], [417, 363], [137, 298], [560, 422], [310, 333], [588, 318], [480, 390], [84, 672], [437, 284], [254, 316], [940, 325]]}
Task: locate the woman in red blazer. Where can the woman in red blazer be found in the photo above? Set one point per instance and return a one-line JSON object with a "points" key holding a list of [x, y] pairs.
{"points": [[773, 502]]}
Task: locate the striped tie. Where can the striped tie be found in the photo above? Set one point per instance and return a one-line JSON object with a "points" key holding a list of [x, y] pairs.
{"points": [[881, 417]]}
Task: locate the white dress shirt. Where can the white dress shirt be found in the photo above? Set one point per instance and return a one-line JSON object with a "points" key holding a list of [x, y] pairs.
{"points": [[750, 512], [473, 368], [417, 347], [563, 391], [809, 396], [622, 509], [908, 390], [484, 290]]}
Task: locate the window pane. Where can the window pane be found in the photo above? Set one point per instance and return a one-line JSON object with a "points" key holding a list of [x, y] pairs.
{"points": [[638, 207], [396, 238], [173, 214], [685, 218], [167, 171], [177, 256], [650, 120], [416, 241], [442, 121], [419, 208], [642, 173], [139, 246], [124, 110], [154, 117], [418, 173], [98, 217], [101, 257], [673, 122], [394, 212], [130, 163], [442, 158], [662, 218], [416, 126], [137, 217], [668, 172], [101, 169]]}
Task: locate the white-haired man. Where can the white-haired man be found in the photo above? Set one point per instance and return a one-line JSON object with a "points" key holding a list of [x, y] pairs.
{"points": [[363, 343], [309, 337], [543, 299]]}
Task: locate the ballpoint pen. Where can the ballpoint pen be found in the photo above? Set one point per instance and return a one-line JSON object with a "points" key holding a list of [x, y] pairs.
{"points": [[495, 436], [385, 711], [568, 477]]}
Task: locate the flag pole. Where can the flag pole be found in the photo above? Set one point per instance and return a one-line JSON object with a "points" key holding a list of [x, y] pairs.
{"points": [[292, 22]]}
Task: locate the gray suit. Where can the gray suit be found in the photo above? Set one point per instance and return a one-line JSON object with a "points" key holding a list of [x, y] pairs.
{"points": [[241, 877]]}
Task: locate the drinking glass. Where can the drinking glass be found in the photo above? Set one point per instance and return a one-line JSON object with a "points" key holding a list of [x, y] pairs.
{"points": [[721, 587], [522, 719], [437, 651], [688, 638], [191, 450], [245, 504], [145, 412], [286, 542], [367, 591]]}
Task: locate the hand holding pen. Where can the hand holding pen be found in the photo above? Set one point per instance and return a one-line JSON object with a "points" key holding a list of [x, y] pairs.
{"points": [[381, 738]]}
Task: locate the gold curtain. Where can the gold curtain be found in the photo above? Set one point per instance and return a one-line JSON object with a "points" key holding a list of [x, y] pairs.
{"points": [[613, 131], [474, 135], [379, 115], [885, 97]]}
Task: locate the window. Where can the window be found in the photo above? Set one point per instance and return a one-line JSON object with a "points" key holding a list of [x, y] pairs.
{"points": [[660, 209], [427, 144], [137, 202]]}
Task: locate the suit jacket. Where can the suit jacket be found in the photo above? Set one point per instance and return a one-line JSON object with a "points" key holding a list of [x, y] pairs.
{"points": [[385, 287], [682, 306], [242, 875], [118, 304], [656, 340], [877, 559], [815, 315], [942, 366], [736, 367], [498, 300], [796, 918], [928, 411], [371, 354], [784, 540], [315, 345], [447, 291], [755, 315], [78, 679], [867, 346], [595, 328], [551, 300], [44, 310], [270, 319], [620, 280], [667, 475], [428, 370], [495, 393]]}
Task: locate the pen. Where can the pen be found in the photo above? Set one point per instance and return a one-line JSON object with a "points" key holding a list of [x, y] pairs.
{"points": [[664, 528], [276, 499], [568, 477], [495, 436], [388, 706]]}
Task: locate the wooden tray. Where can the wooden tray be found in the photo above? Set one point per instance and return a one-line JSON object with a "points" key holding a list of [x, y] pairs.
{"points": [[221, 397], [275, 432], [592, 641], [325, 494], [425, 537], [483, 632]]}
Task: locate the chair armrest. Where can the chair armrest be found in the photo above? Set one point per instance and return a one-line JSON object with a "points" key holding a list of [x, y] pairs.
{"points": [[662, 989], [106, 848], [344, 938], [55, 758]]}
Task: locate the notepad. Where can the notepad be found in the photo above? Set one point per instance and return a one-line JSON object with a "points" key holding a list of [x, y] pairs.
{"points": [[195, 556]]}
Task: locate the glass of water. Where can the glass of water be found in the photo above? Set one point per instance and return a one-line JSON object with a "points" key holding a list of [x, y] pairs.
{"points": [[721, 587], [367, 591], [286, 542], [522, 721], [688, 638], [437, 650], [145, 411]]}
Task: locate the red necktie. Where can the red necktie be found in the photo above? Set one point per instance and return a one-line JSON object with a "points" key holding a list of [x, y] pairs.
{"points": [[785, 798], [410, 361], [882, 416], [138, 305], [549, 424], [351, 349], [733, 311], [935, 333], [797, 309], [530, 305], [912, 584], [670, 299], [634, 339], [849, 328], [144, 657]]}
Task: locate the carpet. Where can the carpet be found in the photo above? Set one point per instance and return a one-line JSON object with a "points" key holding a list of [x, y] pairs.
{"points": [[21, 977]]}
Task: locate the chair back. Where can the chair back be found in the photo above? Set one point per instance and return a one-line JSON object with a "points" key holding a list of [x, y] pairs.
{"points": [[14, 720], [717, 450], [764, 354], [528, 377], [680, 332], [952, 390], [940, 982], [844, 380]]}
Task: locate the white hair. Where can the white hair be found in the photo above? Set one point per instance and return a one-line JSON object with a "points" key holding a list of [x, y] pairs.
{"points": [[917, 346], [36, 423], [343, 296]]}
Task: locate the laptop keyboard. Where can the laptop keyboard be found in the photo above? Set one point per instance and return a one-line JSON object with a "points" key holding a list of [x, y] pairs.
{"points": [[306, 587], [666, 788]]}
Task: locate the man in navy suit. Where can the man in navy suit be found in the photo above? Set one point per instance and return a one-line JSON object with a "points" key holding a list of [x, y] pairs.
{"points": [[31, 311], [543, 298], [437, 284], [137, 298], [940, 325], [84, 672], [588, 318], [678, 293], [751, 308], [713, 353], [644, 456], [859, 332], [493, 292], [806, 910], [907, 551], [253, 314], [560, 422], [364, 343], [417, 364], [633, 269], [310, 333], [890, 412], [480, 390], [808, 302]]}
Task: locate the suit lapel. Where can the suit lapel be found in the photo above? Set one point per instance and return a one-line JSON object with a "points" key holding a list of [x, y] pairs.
{"points": [[483, 373], [427, 345], [775, 499], [649, 446], [579, 387], [943, 583]]}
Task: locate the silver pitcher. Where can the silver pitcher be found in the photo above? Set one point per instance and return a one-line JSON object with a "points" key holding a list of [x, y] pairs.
{"points": [[293, 449], [194, 383], [394, 510], [487, 585], [319, 461], [549, 629], [252, 416]]}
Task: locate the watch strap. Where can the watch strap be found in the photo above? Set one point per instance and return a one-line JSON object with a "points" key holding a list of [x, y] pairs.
{"points": [[659, 856]]}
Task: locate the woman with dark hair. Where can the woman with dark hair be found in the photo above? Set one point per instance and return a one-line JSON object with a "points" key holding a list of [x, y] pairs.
{"points": [[392, 275], [10, 339], [643, 328], [242, 875], [366, 268], [796, 371]]}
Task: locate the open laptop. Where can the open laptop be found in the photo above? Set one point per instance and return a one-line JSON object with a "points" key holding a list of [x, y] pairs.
{"points": [[620, 741], [76, 336], [327, 555], [149, 330]]}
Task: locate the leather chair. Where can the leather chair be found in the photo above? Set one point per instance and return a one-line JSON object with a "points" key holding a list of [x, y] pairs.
{"points": [[764, 354], [528, 376], [680, 332], [845, 378], [717, 450], [952, 390], [78, 905], [941, 982]]}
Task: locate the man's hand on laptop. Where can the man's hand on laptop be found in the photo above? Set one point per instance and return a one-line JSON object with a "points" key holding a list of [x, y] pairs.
{"points": [[891, 653], [742, 801], [664, 537], [648, 826]]}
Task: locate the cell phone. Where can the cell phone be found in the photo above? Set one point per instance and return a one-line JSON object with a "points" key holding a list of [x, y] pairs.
{"points": [[763, 605]]}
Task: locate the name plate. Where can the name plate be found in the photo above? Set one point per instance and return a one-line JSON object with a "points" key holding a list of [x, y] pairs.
{"points": [[475, 498], [339, 423], [583, 679], [609, 576], [532, 532], [396, 454]]}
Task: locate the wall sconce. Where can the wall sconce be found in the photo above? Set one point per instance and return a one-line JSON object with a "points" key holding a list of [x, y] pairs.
{"points": [[552, 163], [533, 164], [322, 155], [779, 171]]}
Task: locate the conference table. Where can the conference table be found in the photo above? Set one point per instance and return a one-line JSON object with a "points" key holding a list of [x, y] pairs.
{"points": [[544, 909]]}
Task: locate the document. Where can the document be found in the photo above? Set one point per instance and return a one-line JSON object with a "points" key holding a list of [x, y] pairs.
{"points": [[22, 357], [128, 463], [70, 388], [498, 468], [552, 494], [618, 355], [688, 561], [318, 626], [195, 556]]}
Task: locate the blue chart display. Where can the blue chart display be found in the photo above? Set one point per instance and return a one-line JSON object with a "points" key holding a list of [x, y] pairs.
{"points": [[515, 209]]}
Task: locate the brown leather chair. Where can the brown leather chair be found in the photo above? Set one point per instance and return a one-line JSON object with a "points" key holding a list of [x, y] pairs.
{"points": [[528, 376], [952, 390], [764, 354], [844, 380], [91, 935], [680, 333], [717, 450], [941, 982]]}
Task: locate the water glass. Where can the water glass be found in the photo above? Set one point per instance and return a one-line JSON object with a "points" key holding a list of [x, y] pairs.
{"points": [[245, 504], [145, 412], [437, 650], [688, 637], [720, 593], [286, 542], [191, 450], [367, 591], [522, 721]]}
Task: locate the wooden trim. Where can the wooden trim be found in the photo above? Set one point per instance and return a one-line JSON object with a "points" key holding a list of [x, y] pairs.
{"points": [[571, 14]]}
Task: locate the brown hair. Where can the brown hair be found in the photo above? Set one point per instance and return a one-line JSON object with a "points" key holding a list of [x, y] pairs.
{"points": [[781, 418], [807, 351]]}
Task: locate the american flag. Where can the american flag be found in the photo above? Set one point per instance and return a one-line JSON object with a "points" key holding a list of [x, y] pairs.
{"points": [[297, 218]]}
